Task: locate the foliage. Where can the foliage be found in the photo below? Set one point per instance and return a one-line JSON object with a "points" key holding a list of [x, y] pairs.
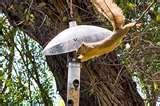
{"points": [[140, 52], [24, 73], [23, 69]]}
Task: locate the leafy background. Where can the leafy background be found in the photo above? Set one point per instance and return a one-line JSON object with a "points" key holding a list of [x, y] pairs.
{"points": [[25, 76]]}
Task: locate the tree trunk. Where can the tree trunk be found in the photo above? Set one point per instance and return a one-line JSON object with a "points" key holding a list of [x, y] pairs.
{"points": [[99, 83]]}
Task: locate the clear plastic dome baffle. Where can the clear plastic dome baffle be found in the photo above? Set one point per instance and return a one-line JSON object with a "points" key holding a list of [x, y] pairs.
{"points": [[71, 38]]}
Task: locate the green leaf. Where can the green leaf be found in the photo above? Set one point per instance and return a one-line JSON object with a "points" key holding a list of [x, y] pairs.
{"points": [[131, 5], [158, 18]]}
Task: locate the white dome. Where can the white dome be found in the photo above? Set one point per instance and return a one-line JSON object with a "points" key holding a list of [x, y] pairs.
{"points": [[71, 38]]}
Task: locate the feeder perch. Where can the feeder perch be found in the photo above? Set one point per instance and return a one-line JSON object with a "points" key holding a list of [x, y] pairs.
{"points": [[70, 40]]}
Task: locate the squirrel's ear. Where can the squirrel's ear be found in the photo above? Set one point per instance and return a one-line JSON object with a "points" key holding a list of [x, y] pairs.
{"points": [[82, 48]]}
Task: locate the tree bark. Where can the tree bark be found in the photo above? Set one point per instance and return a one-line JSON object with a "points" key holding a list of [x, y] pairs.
{"points": [[99, 83]]}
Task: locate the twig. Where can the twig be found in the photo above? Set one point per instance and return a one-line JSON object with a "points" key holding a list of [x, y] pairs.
{"points": [[30, 5], [117, 78], [44, 19], [145, 11], [29, 8]]}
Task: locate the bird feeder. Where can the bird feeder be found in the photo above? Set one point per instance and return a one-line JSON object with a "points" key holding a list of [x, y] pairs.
{"points": [[70, 40]]}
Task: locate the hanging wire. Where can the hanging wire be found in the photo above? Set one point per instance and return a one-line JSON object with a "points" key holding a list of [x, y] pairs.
{"points": [[71, 8], [71, 14]]}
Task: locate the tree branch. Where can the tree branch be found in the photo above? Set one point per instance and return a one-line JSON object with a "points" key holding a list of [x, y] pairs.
{"points": [[145, 11]]}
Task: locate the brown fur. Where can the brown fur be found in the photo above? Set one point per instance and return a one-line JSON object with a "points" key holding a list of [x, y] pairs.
{"points": [[115, 15], [111, 11]]}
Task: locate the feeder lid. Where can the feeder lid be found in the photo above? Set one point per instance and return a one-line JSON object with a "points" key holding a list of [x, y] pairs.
{"points": [[71, 38]]}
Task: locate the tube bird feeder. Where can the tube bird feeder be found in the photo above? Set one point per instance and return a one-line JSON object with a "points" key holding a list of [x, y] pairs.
{"points": [[70, 40]]}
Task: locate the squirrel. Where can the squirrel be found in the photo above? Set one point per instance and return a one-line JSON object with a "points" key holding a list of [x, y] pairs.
{"points": [[115, 15]]}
